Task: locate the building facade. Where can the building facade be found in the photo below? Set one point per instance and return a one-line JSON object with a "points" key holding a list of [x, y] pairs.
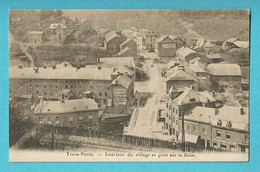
{"points": [[35, 37]]}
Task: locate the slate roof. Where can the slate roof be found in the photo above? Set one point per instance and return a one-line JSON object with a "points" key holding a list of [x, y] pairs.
{"points": [[68, 106], [61, 72], [232, 114], [203, 114], [122, 80], [224, 69]]}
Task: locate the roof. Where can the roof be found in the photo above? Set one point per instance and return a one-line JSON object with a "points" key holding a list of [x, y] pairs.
{"points": [[68, 106], [191, 138], [233, 115], [35, 32], [61, 72], [125, 50], [184, 51], [181, 97], [197, 59], [203, 114], [170, 37], [181, 75], [231, 40], [173, 63], [197, 69], [55, 25], [242, 44], [111, 35], [213, 56], [206, 97], [128, 40], [224, 69], [122, 80], [123, 70], [117, 61]]}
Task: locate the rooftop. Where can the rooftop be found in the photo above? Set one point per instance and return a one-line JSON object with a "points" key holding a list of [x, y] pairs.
{"points": [[55, 25], [68, 106], [62, 71], [184, 51], [122, 80], [117, 61], [224, 69], [203, 114]]}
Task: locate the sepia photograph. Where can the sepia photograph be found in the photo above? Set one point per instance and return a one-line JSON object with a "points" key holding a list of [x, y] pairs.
{"points": [[128, 85]]}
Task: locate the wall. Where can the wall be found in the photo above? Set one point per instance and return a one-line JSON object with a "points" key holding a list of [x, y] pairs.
{"points": [[52, 88], [86, 120], [35, 39]]}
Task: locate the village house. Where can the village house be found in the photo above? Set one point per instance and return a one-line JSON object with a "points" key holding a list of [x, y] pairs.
{"points": [[235, 43], [58, 32], [230, 129], [197, 126], [180, 103], [185, 54], [35, 37], [127, 52], [225, 75], [122, 90], [214, 58], [76, 114], [179, 78], [48, 82], [145, 39], [225, 128], [129, 44], [166, 47], [112, 42]]}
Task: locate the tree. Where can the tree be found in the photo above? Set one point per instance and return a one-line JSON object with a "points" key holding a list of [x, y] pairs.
{"points": [[45, 14], [58, 13]]}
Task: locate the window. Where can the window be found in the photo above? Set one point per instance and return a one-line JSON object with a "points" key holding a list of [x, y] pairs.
{"points": [[219, 123], [81, 117], [188, 127], [71, 86], [232, 147], [57, 120], [44, 86], [218, 133], [228, 136], [45, 93], [192, 100], [66, 86], [194, 128], [215, 145], [229, 124], [204, 131], [105, 93], [56, 86], [40, 119], [36, 86], [49, 119], [223, 146], [71, 119], [100, 94]]}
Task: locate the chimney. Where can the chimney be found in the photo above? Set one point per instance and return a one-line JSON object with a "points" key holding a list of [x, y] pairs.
{"points": [[78, 67], [192, 87], [45, 67], [214, 94], [20, 67], [54, 67], [99, 68], [98, 60]]}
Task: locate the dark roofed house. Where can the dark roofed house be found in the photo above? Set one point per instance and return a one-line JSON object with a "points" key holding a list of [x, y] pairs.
{"points": [[113, 40], [180, 78], [166, 47], [185, 54], [129, 43], [226, 75]]}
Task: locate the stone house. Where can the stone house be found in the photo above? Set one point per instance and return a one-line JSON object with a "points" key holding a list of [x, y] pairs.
{"points": [[79, 114], [226, 75], [112, 42], [35, 37]]}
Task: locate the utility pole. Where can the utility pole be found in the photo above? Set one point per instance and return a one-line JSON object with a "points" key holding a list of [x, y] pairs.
{"points": [[183, 132]]}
